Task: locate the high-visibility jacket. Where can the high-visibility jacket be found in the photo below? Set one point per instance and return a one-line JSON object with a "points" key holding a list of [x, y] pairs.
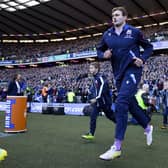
{"points": [[140, 99], [70, 97]]}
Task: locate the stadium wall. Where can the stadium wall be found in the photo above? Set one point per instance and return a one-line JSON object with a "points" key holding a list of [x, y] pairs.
{"points": [[53, 108]]}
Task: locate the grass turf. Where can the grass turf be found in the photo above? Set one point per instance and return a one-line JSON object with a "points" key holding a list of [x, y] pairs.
{"points": [[55, 142]]}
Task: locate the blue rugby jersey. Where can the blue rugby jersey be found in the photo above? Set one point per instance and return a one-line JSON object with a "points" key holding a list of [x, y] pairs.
{"points": [[124, 47], [101, 89]]}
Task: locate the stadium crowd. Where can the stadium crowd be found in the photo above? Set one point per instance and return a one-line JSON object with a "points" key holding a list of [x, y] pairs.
{"points": [[61, 79], [31, 52], [37, 50]]}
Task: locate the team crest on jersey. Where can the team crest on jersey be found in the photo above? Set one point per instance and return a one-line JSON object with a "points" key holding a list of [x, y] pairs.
{"points": [[128, 34]]}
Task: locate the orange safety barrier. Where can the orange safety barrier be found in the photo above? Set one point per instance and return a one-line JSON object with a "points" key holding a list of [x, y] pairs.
{"points": [[16, 114]]}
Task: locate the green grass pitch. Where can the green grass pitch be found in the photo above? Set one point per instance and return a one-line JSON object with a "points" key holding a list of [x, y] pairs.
{"points": [[55, 142]]}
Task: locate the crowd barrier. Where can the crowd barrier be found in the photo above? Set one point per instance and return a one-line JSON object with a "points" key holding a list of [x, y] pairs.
{"points": [[53, 108]]}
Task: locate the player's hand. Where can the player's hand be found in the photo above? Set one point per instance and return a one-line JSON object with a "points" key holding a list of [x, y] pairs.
{"points": [[107, 54], [92, 101], [137, 61]]}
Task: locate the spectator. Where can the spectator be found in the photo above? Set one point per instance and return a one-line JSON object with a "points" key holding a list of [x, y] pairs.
{"points": [[14, 87]]}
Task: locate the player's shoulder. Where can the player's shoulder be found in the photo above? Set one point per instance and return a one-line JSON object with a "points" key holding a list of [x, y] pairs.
{"points": [[108, 31], [102, 76], [136, 32], [132, 28]]}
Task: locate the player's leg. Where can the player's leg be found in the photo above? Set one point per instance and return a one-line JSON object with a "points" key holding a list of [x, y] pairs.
{"points": [[126, 92], [138, 113], [93, 118], [109, 113], [165, 122], [142, 118]]}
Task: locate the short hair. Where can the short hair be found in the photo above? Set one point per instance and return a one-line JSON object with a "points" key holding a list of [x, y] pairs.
{"points": [[15, 76], [122, 9], [96, 65]]}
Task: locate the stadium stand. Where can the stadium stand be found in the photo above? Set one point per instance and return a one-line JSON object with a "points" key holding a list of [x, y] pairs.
{"points": [[62, 78], [29, 35]]}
